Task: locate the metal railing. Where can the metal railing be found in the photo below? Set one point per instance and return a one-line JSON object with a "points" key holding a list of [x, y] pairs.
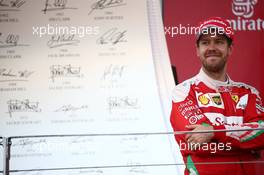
{"points": [[6, 143]]}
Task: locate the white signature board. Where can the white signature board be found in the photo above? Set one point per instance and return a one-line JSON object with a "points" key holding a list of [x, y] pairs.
{"points": [[71, 67]]}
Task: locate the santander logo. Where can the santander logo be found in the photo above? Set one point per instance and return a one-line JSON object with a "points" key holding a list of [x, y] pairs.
{"points": [[244, 13]]}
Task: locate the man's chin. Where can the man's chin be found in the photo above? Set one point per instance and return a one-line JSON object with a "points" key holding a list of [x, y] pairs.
{"points": [[214, 68]]}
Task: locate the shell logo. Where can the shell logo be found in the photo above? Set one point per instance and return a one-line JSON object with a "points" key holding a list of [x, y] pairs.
{"points": [[203, 99]]}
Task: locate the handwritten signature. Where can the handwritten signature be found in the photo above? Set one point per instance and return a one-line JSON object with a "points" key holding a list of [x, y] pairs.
{"points": [[138, 170], [70, 108], [64, 71], [113, 72], [12, 75], [11, 5], [22, 106], [81, 140], [62, 40], [29, 142], [102, 4], [133, 139], [10, 41], [122, 103], [112, 36], [56, 5]]}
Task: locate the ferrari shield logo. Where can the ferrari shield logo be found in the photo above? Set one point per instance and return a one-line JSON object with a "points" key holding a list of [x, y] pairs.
{"points": [[235, 98]]}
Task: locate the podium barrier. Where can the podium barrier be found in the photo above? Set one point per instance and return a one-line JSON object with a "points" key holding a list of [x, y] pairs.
{"points": [[6, 143]]}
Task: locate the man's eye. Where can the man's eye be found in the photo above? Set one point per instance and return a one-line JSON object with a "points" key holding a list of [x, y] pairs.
{"points": [[204, 42], [220, 41]]}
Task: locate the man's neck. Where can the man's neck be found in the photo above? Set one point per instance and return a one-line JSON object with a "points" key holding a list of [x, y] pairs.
{"points": [[219, 76]]}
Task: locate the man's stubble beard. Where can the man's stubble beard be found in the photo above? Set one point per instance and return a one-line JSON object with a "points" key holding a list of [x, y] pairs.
{"points": [[214, 67]]}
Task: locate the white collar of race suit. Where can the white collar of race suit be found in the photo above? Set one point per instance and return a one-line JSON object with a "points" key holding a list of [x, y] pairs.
{"points": [[214, 84]]}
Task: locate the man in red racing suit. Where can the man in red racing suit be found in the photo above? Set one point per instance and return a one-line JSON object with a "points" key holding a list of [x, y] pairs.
{"points": [[212, 101]]}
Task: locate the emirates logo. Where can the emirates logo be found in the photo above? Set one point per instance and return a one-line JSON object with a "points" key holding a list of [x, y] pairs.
{"points": [[244, 8]]}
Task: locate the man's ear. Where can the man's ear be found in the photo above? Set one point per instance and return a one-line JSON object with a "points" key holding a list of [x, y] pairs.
{"points": [[197, 50], [230, 49]]}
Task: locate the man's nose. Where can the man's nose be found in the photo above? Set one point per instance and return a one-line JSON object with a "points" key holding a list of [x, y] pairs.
{"points": [[211, 45]]}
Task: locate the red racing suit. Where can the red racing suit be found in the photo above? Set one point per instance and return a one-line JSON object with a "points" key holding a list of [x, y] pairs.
{"points": [[224, 105]]}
